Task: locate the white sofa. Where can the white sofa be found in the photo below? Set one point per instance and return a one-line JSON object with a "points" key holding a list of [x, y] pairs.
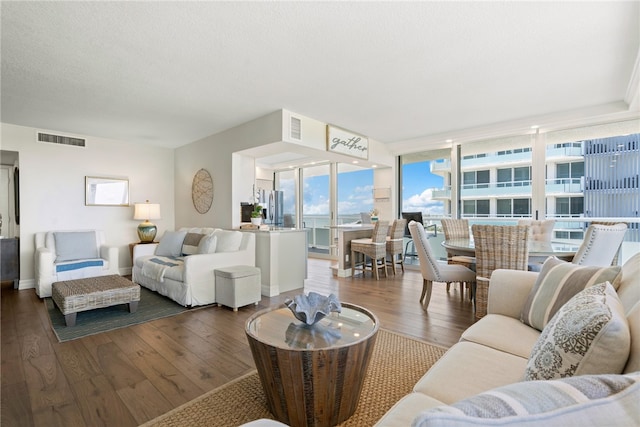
{"points": [[493, 354], [188, 276], [69, 255]]}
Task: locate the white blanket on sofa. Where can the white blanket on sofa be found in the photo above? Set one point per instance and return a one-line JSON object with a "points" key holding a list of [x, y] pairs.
{"points": [[156, 267]]}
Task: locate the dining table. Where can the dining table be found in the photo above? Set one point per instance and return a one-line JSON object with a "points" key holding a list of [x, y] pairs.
{"points": [[538, 250]]}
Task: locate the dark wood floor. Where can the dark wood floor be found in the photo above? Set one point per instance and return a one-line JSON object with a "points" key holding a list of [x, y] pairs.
{"points": [[129, 376]]}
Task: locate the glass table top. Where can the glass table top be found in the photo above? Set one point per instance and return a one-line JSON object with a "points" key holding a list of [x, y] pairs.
{"points": [[279, 328]]}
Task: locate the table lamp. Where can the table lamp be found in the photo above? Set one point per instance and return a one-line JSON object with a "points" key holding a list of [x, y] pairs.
{"points": [[146, 211]]}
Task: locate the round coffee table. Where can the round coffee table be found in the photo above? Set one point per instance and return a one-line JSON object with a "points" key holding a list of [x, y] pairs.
{"points": [[312, 375]]}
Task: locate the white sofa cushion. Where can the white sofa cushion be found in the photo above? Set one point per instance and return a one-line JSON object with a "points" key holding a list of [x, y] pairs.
{"points": [[208, 244], [228, 240], [75, 245], [587, 400], [589, 335], [556, 284], [171, 243]]}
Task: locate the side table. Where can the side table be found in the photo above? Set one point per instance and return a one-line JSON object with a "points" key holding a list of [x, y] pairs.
{"points": [[312, 375]]}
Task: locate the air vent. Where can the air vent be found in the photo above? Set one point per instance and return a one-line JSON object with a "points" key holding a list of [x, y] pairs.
{"points": [[296, 128], [60, 139]]}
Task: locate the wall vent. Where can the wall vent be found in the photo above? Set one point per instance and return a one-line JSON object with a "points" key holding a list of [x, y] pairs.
{"points": [[296, 128], [60, 139]]}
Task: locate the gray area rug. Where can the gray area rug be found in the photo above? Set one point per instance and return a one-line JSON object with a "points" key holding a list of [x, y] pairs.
{"points": [[152, 306]]}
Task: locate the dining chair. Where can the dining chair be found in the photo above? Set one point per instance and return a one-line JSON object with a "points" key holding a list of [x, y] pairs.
{"points": [[457, 229], [375, 248], [365, 218], [540, 230], [497, 247], [600, 245], [411, 216], [394, 244], [434, 271]]}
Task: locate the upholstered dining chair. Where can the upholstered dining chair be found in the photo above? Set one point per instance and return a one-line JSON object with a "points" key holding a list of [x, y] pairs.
{"points": [[432, 270], [394, 244], [600, 245], [457, 229], [540, 230], [497, 247], [375, 248]]}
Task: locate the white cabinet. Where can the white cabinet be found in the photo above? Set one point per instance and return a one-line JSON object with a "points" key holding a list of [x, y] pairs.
{"points": [[281, 256]]}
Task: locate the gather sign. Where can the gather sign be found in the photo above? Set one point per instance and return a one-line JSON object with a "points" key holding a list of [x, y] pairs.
{"points": [[345, 142]]}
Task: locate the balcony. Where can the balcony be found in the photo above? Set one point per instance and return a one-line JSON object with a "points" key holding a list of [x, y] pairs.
{"points": [[496, 189], [495, 160], [441, 193], [440, 167], [560, 186], [563, 152]]}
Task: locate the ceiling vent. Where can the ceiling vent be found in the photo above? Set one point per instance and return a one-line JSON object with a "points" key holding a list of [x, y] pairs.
{"points": [[296, 128], [60, 139]]}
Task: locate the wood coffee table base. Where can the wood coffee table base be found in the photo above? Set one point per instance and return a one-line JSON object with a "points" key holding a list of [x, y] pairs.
{"points": [[312, 388]]}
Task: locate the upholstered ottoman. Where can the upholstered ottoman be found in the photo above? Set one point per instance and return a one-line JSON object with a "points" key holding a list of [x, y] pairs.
{"points": [[73, 296], [238, 286]]}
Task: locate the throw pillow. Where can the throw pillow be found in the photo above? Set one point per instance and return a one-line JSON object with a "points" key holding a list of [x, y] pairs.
{"points": [[589, 335], [228, 241], [191, 242], [556, 284], [208, 244], [71, 245], [171, 243], [583, 400]]}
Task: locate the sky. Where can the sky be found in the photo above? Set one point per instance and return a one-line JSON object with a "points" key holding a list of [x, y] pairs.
{"points": [[355, 192]]}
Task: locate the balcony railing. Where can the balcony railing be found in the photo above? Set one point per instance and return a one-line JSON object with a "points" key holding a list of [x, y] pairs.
{"points": [[555, 186], [496, 189], [440, 166]]}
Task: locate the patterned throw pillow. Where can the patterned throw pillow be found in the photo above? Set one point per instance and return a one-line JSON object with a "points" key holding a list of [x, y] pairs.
{"points": [[603, 400], [191, 242], [589, 335], [556, 284]]}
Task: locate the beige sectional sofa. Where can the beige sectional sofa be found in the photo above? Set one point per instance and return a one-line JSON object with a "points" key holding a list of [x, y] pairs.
{"points": [[495, 353]]}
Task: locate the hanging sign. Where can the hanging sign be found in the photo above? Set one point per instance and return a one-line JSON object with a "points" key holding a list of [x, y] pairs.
{"points": [[345, 142]]}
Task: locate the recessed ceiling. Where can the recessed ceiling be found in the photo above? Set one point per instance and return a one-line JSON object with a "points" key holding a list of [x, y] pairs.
{"points": [[170, 73]]}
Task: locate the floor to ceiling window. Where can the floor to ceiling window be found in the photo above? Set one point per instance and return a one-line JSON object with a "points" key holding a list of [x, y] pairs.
{"points": [[323, 201]]}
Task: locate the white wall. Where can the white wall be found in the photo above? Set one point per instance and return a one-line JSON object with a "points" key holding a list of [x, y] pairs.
{"points": [[233, 176], [52, 179]]}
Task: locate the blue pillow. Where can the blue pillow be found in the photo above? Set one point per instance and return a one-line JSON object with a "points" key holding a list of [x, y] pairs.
{"points": [[71, 245], [171, 243]]}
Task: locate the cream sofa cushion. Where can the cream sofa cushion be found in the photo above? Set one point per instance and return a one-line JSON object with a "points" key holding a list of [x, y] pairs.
{"points": [[589, 335], [468, 368], [406, 409], [586, 400], [503, 333]]}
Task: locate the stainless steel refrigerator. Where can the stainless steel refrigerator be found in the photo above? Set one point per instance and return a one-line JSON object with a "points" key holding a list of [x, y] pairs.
{"points": [[273, 203]]}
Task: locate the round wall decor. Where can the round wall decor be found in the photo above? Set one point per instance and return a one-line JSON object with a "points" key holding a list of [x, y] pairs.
{"points": [[202, 191]]}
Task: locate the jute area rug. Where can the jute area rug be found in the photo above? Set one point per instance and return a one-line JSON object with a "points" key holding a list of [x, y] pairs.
{"points": [[397, 363]]}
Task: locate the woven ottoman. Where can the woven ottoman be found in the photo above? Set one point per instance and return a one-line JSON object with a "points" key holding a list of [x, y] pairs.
{"points": [[238, 286], [73, 296]]}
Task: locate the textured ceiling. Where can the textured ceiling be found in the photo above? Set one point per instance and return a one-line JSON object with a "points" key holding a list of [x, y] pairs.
{"points": [[169, 73]]}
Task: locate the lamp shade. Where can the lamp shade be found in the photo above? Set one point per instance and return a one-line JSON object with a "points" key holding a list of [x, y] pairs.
{"points": [[146, 211]]}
